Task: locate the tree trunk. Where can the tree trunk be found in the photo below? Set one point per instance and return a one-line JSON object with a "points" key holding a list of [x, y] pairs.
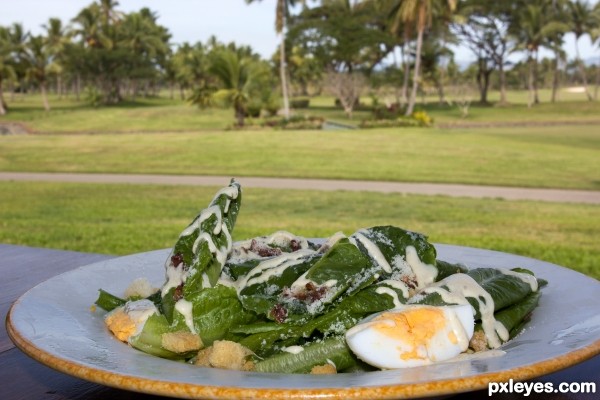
{"points": [[555, 78], [44, 96], [2, 103], [171, 90], [581, 66], [78, 87], [530, 83], [536, 97], [597, 82], [284, 87], [406, 78], [239, 115], [502, 77], [415, 85]]}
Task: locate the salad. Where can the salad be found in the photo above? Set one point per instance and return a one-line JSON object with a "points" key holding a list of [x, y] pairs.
{"points": [[377, 299]]}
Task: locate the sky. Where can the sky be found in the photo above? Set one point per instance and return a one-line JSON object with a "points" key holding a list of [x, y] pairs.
{"points": [[196, 20]]}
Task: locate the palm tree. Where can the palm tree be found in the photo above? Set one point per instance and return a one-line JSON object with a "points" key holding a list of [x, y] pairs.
{"points": [[582, 21], [39, 58], [417, 13], [57, 38], [535, 28], [237, 76], [281, 14], [7, 70]]}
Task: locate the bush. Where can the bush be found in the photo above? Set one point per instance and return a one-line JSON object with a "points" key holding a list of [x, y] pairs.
{"points": [[422, 118], [295, 122], [300, 103], [417, 119]]}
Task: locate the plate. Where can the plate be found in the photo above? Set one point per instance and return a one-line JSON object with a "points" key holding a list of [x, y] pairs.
{"points": [[54, 324]]}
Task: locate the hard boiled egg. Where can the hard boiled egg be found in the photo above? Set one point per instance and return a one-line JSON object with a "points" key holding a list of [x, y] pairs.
{"points": [[412, 335], [129, 320]]}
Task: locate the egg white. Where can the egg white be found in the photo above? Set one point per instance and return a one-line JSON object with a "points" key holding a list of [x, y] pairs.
{"points": [[385, 340]]}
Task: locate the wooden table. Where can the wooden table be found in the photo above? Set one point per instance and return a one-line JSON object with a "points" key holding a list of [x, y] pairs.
{"points": [[23, 378]]}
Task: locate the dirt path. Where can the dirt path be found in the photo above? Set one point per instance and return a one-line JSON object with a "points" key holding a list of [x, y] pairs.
{"points": [[454, 190]]}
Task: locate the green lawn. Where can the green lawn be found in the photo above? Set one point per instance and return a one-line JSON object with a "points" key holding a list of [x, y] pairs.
{"points": [[122, 219], [161, 114], [550, 157]]}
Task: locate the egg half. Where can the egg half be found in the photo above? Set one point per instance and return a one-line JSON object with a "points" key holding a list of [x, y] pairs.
{"points": [[412, 335]]}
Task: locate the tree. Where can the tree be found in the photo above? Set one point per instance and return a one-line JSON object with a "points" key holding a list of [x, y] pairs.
{"points": [[533, 28], [238, 77], [39, 57], [56, 40], [7, 70], [582, 21], [483, 26], [282, 12], [419, 14]]}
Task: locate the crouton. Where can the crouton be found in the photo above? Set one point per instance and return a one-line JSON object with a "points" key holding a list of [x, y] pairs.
{"points": [[180, 342], [323, 369], [478, 341], [139, 288], [225, 354]]}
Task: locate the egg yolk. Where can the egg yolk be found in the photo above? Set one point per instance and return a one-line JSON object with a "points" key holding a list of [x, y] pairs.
{"points": [[121, 325], [412, 327]]}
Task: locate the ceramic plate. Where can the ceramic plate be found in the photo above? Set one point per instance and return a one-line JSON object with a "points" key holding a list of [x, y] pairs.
{"points": [[53, 323]]}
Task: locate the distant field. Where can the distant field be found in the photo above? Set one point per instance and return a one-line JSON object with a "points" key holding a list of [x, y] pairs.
{"points": [[162, 114], [550, 157], [123, 219]]}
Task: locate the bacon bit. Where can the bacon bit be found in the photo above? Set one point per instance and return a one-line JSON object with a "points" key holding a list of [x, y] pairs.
{"points": [[295, 245], [178, 293], [310, 294], [279, 313], [176, 259], [264, 251], [411, 283]]}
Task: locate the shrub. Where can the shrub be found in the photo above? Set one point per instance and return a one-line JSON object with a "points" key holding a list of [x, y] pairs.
{"points": [[295, 122], [422, 118], [300, 103]]}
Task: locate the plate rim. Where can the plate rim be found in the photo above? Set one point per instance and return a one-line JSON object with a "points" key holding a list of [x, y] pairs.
{"points": [[196, 390]]}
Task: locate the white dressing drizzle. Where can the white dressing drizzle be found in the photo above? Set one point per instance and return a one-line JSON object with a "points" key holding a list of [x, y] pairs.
{"points": [[372, 250], [529, 279], [293, 349], [272, 267], [175, 277], [185, 308], [459, 287], [398, 285], [425, 273], [389, 292]]}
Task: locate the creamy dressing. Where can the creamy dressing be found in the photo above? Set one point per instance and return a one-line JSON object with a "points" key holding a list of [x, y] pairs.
{"points": [[459, 287], [389, 292], [293, 349], [185, 308], [425, 273], [398, 285], [372, 250], [272, 267], [175, 277], [139, 311], [529, 279]]}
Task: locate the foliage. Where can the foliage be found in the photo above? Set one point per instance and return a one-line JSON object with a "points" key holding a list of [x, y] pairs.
{"points": [[295, 122]]}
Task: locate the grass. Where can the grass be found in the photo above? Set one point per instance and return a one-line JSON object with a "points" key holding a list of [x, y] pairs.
{"points": [[144, 115], [161, 114], [123, 219], [548, 157]]}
